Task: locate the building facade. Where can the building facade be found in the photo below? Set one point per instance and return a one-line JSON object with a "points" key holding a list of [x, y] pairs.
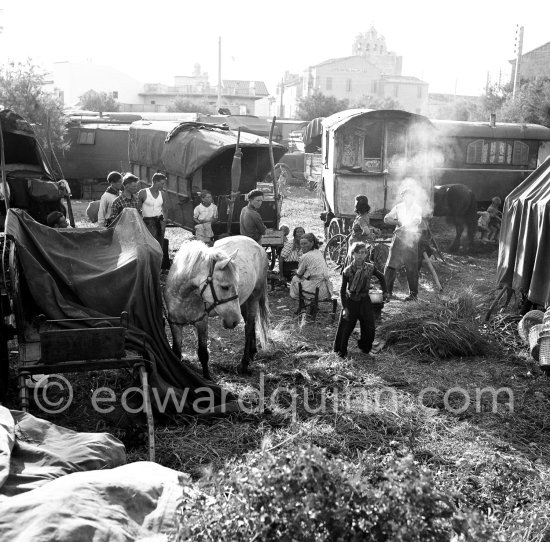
{"points": [[371, 71], [535, 63]]}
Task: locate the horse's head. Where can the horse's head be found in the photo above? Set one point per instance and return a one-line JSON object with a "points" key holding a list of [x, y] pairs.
{"points": [[222, 294]]}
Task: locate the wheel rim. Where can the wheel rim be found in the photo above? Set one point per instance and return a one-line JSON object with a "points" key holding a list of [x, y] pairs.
{"points": [[336, 250], [334, 228]]}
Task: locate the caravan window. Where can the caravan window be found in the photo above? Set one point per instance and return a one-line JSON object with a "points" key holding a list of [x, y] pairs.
{"points": [[372, 146], [396, 143], [86, 137]]}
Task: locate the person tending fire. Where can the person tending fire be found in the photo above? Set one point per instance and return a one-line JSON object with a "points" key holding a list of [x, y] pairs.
{"points": [[407, 217]]}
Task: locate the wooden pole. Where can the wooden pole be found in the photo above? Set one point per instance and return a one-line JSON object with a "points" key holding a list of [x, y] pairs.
{"points": [[3, 166], [275, 183], [432, 270]]}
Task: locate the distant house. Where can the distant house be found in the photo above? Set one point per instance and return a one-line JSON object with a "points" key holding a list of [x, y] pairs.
{"points": [[236, 95], [371, 70], [535, 63]]}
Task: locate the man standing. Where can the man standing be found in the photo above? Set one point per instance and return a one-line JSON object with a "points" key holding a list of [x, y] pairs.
{"points": [[152, 206], [126, 199], [252, 224], [407, 217], [106, 202]]}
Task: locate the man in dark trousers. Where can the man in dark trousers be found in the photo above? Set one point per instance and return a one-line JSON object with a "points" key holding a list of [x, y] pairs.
{"points": [[407, 217], [252, 224]]}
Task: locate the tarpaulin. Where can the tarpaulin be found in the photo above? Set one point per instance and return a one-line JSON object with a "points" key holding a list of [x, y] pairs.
{"points": [[34, 452], [312, 134], [524, 248], [83, 273], [183, 148]]}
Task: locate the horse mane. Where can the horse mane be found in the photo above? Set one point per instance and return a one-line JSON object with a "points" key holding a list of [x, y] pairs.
{"points": [[193, 255]]}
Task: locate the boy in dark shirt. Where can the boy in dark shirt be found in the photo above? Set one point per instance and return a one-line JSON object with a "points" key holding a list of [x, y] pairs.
{"points": [[356, 303]]}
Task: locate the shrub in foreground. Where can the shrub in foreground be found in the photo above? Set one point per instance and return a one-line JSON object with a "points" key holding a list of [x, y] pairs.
{"points": [[303, 495]]}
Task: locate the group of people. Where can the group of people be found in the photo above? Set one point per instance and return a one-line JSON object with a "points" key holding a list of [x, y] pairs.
{"points": [[124, 191]]}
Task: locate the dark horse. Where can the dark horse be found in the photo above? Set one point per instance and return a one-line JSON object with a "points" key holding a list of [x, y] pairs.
{"points": [[458, 203]]}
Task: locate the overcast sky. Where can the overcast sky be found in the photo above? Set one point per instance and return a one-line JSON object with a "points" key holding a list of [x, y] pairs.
{"points": [[444, 43]]}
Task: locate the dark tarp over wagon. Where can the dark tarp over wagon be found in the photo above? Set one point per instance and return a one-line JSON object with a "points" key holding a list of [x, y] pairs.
{"points": [[524, 249], [195, 157]]}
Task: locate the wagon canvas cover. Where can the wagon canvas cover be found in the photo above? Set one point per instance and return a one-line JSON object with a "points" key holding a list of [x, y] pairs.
{"points": [[183, 148], [524, 249], [89, 272]]}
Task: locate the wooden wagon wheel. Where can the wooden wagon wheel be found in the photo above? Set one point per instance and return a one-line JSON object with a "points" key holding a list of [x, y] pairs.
{"points": [[336, 250], [334, 228], [379, 255]]}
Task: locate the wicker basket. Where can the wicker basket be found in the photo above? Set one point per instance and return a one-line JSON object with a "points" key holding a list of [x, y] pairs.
{"points": [[534, 335], [544, 349], [530, 319]]}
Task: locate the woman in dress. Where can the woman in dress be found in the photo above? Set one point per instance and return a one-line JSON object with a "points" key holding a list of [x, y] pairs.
{"points": [[291, 254], [312, 271]]}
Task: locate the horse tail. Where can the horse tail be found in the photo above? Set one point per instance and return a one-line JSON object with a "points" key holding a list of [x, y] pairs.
{"points": [[263, 318]]}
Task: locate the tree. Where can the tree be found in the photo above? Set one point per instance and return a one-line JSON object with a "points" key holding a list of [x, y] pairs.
{"points": [[22, 90], [92, 100], [374, 102], [531, 104], [187, 106], [319, 105]]}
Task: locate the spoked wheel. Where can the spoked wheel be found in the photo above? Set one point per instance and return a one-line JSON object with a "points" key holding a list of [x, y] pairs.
{"points": [[336, 250], [379, 255], [334, 228]]}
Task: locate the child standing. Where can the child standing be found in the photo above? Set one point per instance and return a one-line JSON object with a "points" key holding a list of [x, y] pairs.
{"points": [[204, 214], [495, 218], [361, 228], [356, 303]]}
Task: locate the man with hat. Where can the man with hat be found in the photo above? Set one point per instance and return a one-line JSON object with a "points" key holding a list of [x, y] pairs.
{"points": [[108, 197], [407, 217], [127, 198], [251, 222], [152, 206]]}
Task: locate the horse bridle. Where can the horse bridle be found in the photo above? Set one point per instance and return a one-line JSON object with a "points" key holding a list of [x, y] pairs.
{"points": [[208, 309]]}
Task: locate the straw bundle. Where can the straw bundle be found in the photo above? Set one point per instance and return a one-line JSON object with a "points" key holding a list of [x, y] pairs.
{"points": [[442, 330]]}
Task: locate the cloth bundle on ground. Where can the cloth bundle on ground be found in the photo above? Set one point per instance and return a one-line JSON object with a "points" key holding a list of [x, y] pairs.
{"points": [[57, 485], [34, 452], [83, 273]]}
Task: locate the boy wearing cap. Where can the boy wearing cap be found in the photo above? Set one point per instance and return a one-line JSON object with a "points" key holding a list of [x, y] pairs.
{"points": [[251, 222], [108, 197], [152, 207], [126, 199]]}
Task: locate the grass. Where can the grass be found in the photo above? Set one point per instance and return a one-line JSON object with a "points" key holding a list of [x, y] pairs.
{"points": [[489, 456]]}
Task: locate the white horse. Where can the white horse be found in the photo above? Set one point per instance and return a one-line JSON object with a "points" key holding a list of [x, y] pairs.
{"points": [[228, 280]]}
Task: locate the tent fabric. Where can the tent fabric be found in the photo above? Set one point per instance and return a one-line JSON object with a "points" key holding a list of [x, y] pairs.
{"points": [[524, 248], [83, 273], [135, 502], [183, 148], [34, 452]]}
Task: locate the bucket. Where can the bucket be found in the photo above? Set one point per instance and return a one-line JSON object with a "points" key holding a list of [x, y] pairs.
{"points": [[376, 297], [534, 335]]}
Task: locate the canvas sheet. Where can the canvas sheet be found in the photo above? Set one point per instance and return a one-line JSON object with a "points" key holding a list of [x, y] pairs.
{"points": [[79, 273], [524, 248]]}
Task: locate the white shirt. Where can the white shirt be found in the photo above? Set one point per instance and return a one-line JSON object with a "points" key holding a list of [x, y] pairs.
{"points": [[201, 212], [409, 217], [105, 204], [152, 207]]}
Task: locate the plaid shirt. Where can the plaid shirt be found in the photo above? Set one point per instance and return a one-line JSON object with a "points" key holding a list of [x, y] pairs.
{"points": [[119, 204]]}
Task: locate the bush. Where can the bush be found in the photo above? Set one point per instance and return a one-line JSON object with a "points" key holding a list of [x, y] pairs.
{"points": [[303, 495]]}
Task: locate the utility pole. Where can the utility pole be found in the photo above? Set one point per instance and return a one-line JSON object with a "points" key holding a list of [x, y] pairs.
{"points": [[219, 102], [519, 50], [282, 107]]}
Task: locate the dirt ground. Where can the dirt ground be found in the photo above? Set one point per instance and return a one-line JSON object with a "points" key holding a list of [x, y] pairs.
{"points": [[499, 460]]}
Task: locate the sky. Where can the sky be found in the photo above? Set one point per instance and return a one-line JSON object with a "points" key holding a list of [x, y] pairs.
{"points": [[452, 46]]}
